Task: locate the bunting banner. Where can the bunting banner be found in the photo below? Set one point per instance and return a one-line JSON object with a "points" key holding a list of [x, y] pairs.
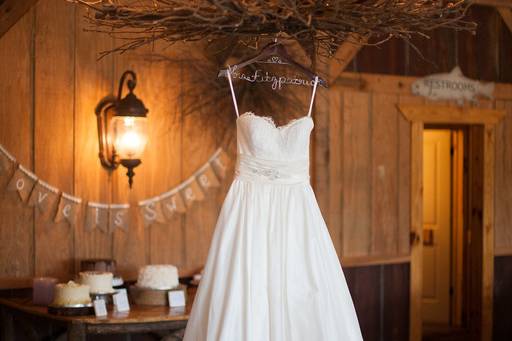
{"points": [[219, 162], [69, 209], [22, 181], [96, 216], [43, 196], [172, 203], [108, 217], [7, 161], [192, 192], [207, 178], [151, 211], [119, 217]]}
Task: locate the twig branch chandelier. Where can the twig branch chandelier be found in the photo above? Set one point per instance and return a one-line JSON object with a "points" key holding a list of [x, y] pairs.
{"points": [[327, 23]]}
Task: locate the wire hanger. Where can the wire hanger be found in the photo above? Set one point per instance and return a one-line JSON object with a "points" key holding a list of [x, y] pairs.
{"points": [[274, 49]]}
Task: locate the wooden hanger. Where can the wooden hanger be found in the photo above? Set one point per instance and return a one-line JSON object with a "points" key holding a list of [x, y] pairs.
{"points": [[274, 49]]}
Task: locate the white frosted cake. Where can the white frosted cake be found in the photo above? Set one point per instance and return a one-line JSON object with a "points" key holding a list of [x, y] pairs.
{"points": [[160, 277], [71, 293], [99, 282]]}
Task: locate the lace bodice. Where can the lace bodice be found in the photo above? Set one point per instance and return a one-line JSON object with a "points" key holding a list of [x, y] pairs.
{"points": [[258, 136]]}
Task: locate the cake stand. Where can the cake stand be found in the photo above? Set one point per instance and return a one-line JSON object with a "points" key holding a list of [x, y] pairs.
{"points": [[106, 296], [71, 310], [152, 296]]}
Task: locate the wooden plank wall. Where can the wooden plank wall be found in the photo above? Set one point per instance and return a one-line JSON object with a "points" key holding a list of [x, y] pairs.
{"points": [[502, 328], [47, 98], [50, 83], [484, 56], [375, 163], [374, 176], [16, 129], [503, 181], [381, 299]]}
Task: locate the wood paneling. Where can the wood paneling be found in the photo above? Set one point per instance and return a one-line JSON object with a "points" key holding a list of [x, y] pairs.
{"points": [[93, 80], [49, 91], [434, 55], [380, 298], [384, 180], [484, 56], [344, 55], [387, 58], [451, 114], [376, 143], [200, 221], [356, 174], [477, 57], [502, 328], [397, 85], [503, 204], [404, 176], [360, 165], [16, 124], [488, 230], [54, 98], [336, 180], [505, 50], [11, 11], [319, 151], [474, 225], [366, 298], [396, 299], [416, 281], [506, 16], [166, 242], [132, 246]]}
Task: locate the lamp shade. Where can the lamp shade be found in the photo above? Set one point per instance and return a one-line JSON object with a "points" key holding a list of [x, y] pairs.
{"points": [[129, 136]]}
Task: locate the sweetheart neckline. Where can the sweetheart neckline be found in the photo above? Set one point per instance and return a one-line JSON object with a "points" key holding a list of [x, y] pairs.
{"points": [[271, 121]]}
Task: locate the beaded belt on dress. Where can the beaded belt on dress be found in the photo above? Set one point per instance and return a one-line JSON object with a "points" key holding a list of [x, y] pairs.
{"points": [[272, 171]]}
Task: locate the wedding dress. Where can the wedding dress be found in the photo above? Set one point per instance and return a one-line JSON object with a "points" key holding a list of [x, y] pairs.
{"points": [[272, 273]]}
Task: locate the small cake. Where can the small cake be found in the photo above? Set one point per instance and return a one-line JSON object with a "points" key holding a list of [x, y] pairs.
{"points": [[71, 293], [160, 277], [98, 264], [98, 281]]}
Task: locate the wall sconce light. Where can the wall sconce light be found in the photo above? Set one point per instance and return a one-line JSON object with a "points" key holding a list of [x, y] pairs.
{"points": [[122, 128]]}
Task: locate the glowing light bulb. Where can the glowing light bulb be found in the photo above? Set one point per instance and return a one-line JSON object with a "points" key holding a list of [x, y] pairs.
{"points": [[130, 136]]}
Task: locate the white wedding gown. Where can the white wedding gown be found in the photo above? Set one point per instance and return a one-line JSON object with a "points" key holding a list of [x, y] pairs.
{"points": [[272, 272]]}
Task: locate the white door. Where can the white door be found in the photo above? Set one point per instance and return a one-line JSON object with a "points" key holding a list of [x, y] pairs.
{"points": [[436, 226]]}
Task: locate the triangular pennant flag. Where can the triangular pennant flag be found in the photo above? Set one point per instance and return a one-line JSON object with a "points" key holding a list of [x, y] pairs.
{"points": [[172, 202], [151, 211], [207, 178], [96, 216], [191, 192], [119, 217], [43, 196], [219, 162], [69, 209], [23, 182], [7, 161]]}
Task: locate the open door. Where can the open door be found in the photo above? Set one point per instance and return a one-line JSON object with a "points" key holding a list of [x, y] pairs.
{"points": [[437, 226], [485, 119], [445, 249]]}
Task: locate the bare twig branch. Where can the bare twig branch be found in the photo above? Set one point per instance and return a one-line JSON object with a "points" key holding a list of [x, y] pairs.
{"points": [[330, 23]]}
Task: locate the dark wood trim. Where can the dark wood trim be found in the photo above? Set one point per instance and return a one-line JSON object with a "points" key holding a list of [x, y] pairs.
{"points": [[381, 299], [11, 11], [502, 328]]}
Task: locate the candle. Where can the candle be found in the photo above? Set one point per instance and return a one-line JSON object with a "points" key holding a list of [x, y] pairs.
{"points": [[43, 289]]}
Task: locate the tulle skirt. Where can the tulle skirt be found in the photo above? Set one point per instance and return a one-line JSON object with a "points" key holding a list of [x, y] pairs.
{"points": [[272, 273]]}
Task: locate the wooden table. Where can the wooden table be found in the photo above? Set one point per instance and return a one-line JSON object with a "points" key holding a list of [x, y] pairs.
{"points": [[140, 319]]}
